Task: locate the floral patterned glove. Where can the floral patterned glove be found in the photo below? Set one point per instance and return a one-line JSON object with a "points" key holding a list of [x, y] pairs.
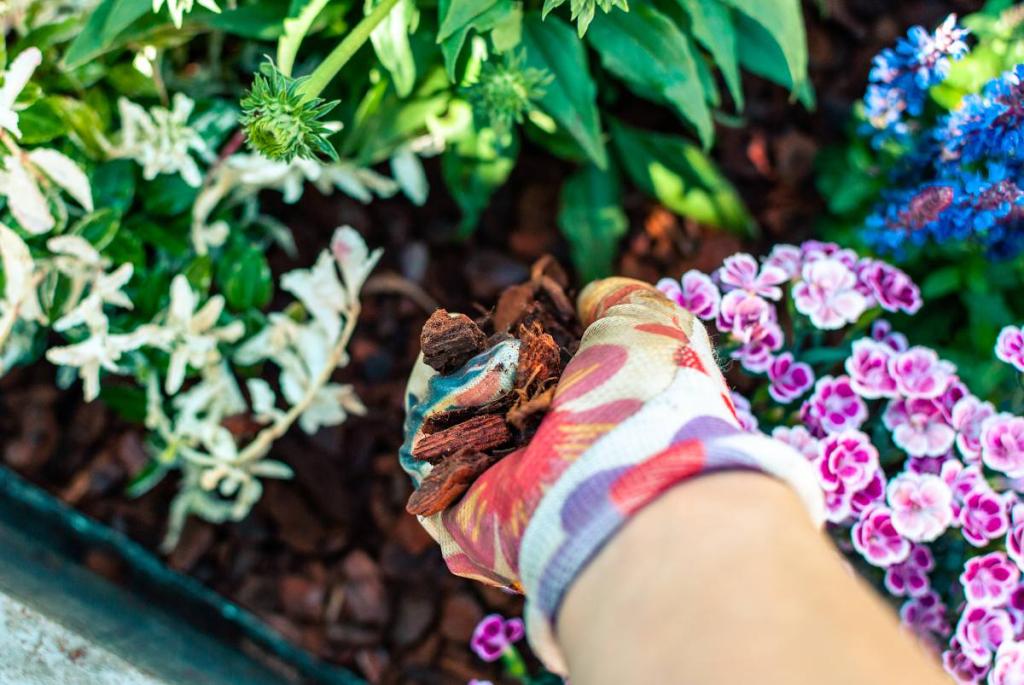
{"points": [[641, 407]]}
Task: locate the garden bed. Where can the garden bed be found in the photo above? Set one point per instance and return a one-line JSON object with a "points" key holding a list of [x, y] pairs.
{"points": [[330, 559]]}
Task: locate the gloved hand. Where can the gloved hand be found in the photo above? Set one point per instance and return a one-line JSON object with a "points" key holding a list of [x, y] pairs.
{"points": [[641, 407]]}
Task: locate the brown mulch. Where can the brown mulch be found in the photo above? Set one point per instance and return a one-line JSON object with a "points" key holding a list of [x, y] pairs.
{"points": [[331, 559]]}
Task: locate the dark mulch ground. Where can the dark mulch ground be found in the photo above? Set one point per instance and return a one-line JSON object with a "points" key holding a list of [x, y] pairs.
{"points": [[331, 559]]}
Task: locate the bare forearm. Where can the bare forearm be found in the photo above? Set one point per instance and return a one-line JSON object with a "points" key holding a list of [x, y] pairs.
{"points": [[724, 580]]}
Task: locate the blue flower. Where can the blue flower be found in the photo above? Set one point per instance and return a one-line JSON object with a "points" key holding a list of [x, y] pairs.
{"points": [[987, 126]]}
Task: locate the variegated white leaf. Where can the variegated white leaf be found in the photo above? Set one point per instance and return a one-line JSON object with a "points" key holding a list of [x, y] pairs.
{"points": [[64, 172]]}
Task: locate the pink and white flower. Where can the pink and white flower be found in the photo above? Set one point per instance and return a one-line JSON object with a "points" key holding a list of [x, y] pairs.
{"points": [[983, 516], [876, 538], [748, 421], [1015, 535], [990, 579], [788, 258], [921, 506], [741, 272], [881, 331], [925, 615], [919, 373], [910, 578], [1002, 444], [789, 379], [1009, 665], [890, 287], [963, 669], [741, 314], [695, 292], [868, 367], [968, 416], [1010, 346], [494, 635], [814, 250], [834, 407], [848, 461], [918, 427], [800, 439], [757, 353], [980, 632], [827, 294], [872, 493]]}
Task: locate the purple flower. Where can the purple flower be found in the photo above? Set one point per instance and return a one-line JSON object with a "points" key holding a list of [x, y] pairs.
{"points": [[953, 394], [494, 635], [891, 288], [828, 295], [1009, 666], [925, 615], [989, 580], [968, 416], [742, 314], [981, 630], [1002, 444], [877, 540], [918, 427], [910, 578], [748, 421], [799, 439], [789, 379], [756, 354], [872, 493], [848, 461], [881, 331], [741, 272], [868, 366], [834, 406], [922, 506], [1010, 346], [932, 465], [788, 258], [983, 516], [962, 669], [813, 250], [1015, 535], [919, 372], [698, 294]]}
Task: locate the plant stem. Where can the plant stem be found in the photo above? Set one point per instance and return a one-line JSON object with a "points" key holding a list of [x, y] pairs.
{"points": [[343, 52]]}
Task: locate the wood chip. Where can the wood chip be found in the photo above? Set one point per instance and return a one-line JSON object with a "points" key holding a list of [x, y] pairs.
{"points": [[478, 434], [449, 341], [448, 481]]}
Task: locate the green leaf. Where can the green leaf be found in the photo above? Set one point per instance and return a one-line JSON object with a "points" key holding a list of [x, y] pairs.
{"points": [[301, 16], [199, 273], [474, 167], [168, 195], [83, 122], [113, 184], [592, 220], [649, 52], [261, 20], [571, 98], [502, 19], [784, 22], [99, 227], [681, 177], [460, 14], [108, 20], [245, 279], [128, 401], [761, 55], [713, 28], [391, 43], [41, 123], [941, 282]]}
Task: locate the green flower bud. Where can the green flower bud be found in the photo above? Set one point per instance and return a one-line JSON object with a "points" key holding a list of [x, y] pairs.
{"points": [[505, 91], [280, 122]]}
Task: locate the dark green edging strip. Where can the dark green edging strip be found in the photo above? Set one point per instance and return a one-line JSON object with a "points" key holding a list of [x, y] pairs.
{"points": [[73, 533]]}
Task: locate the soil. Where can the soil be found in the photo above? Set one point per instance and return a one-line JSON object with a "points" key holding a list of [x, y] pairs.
{"points": [[331, 559]]}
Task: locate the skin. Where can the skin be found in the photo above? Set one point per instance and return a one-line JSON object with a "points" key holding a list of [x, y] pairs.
{"points": [[725, 580]]}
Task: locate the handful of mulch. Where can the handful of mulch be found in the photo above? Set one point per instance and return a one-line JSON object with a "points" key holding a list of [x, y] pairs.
{"points": [[463, 442]]}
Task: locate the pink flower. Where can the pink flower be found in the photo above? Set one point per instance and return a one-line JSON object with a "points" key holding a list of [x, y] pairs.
{"points": [[789, 379], [881, 331], [958, 665], [968, 416], [1010, 346], [989, 580], [799, 439], [813, 250], [921, 506], [953, 394], [910, 578], [828, 295], [834, 406], [740, 272], [925, 615], [868, 366], [981, 630], [983, 516], [698, 294], [918, 427], [919, 373], [788, 258], [756, 354], [932, 465], [877, 540], [1002, 444], [748, 421], [848, 461], [741, 314], [870, 494], [1015, 535], [891, 287], [494, 635], [1009, 666]]}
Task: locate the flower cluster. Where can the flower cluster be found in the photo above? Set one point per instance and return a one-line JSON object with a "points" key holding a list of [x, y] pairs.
{"points": [[901, 76], [921, 478]]}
